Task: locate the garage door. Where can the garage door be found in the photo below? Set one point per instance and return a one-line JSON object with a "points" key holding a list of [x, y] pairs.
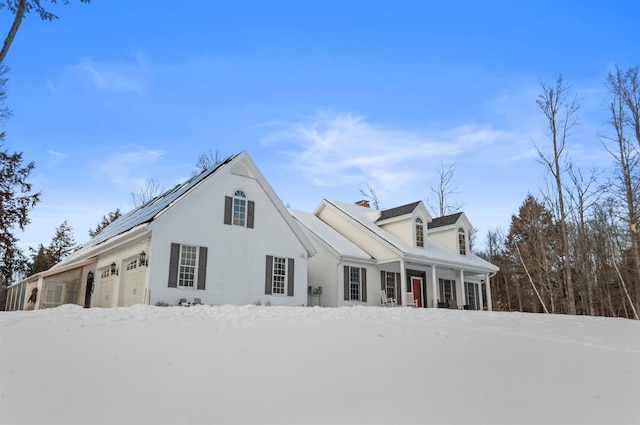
{"points": [[105, 290], [131, 284]]}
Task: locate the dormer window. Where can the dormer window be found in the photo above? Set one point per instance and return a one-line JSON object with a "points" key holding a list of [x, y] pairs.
{"points": [[419, 232], [462, 242], [238, 210]]}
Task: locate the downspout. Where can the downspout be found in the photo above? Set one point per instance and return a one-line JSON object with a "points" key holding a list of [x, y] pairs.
{"points": [[403, 284], [340, 285]]}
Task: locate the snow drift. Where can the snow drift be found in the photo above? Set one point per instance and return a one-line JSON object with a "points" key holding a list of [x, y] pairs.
{"points": [[285, 365]]}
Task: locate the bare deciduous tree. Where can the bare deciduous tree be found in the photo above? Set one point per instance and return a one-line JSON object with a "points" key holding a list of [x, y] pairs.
{"points": [[625, 120], [371, 193], [560, 108], [444, 191], [207, 160], [150, 190]]}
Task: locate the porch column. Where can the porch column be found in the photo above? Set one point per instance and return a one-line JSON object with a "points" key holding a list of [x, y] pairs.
{"points": [[480, 297], [434, 285], [488, 283], [403, 284], [460, 292]]}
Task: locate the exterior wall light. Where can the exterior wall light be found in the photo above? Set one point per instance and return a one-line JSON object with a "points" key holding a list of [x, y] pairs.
{"points": [[114, 269], [143, 260]]}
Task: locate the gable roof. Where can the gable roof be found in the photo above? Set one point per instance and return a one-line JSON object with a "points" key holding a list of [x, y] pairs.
{"points": [[138, 218], [445, 220], [397, 211]]}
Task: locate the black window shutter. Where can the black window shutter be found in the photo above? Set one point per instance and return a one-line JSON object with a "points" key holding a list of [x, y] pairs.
{"points": [[202, 268], [173, 265], [398, 289], [250, 213], [228, 207], [363, 280], [268, 276], [346, 283], [290, 276], [383, 280]]}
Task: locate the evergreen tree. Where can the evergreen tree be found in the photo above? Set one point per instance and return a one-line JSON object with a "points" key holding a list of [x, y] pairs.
{"points": [[106, 220], [16, 199]]}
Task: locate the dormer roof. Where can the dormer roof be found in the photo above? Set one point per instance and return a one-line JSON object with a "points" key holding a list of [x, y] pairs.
{"points": [[445, 220], [397, 211]]}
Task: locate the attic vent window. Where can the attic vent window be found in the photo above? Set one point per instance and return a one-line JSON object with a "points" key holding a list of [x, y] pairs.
{"points": [[419, 233]]}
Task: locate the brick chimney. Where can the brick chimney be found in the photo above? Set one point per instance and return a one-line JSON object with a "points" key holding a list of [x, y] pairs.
{"points": [[363, 203]]}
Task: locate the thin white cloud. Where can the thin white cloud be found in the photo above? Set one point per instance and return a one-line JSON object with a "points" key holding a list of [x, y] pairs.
{"points": [[58, 156], [125, 167], [332, 149], [112, 75]]}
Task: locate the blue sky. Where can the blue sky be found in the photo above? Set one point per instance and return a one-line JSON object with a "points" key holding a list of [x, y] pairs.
{"points": [[326, 96]]}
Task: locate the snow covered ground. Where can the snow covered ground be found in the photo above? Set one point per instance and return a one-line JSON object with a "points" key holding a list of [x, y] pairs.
{"points": [[279, 365]]}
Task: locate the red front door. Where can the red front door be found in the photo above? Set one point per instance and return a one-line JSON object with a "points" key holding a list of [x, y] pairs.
{"points": [[416, 286]]}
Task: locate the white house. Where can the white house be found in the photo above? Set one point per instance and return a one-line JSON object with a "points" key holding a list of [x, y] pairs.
{"points": [[222, 237], [401, 252]]}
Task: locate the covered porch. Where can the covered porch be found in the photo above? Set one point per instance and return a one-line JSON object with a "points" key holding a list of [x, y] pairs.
{"points": [[436, 286]]}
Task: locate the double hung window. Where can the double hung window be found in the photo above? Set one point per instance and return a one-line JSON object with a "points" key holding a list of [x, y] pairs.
{"points": [[447, 289], [279, 276], [419, 233], [355, 284], [239, 210], [187, 271], [187, 266], [462, 242], [390, 284]]}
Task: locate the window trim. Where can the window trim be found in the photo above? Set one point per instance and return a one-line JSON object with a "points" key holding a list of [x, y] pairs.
{"points": [[279, 276], [462, 241], [175, 263], [390, 287], [230, 210], [475, 300], [362, 284], [239, 208], [442, 286], [419, 226], [182, 267], [289, 281]]}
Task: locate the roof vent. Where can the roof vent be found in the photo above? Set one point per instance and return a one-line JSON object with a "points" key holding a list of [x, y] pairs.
{"points": [[363, 203]]}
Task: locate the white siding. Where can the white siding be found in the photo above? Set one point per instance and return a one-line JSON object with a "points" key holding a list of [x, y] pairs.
{"points": [[323, 271], [446, 238], [403, 230], [236, 255]]}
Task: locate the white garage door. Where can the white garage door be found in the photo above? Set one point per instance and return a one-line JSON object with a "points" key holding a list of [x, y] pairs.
{"points": [[131, 286], [104, 290]]}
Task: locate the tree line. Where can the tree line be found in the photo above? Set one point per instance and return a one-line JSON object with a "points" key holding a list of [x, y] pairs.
{"points": [[575, 248]]}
